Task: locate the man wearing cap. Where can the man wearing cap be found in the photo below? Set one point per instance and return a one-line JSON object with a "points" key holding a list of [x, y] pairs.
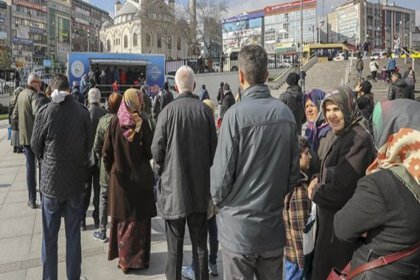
{"points": [[24, 113], [293, 98]]}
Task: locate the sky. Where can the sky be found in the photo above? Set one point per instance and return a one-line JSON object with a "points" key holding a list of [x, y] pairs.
{"points": [[238, 6]]}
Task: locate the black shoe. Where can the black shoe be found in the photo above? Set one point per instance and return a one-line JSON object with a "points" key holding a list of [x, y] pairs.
{"points": [[83, 225], [32, 204]]}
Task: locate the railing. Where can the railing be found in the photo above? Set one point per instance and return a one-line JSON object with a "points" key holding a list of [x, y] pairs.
{"points": [[346, 79], [280, 79]]}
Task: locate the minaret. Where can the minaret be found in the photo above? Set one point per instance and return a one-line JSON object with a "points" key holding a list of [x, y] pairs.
{"points": [[117, 7], [171, 4], [193, 17]]}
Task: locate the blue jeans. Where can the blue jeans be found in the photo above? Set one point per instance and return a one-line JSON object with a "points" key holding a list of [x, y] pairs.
{"points": [[30, 173], [52, 209], [291, 271]]}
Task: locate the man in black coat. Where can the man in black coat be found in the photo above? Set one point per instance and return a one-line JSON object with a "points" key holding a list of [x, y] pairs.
{"points": [[62, 139], [183, 148], [399, 88], [293, 98], [228, 100]]}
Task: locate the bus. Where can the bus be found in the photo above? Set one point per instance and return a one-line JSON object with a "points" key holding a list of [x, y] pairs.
{"points": [[230, 59], [323, 51], [149, 66]]}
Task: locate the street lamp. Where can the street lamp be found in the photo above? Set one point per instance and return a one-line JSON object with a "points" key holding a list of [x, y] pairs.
{"points": [[88, 36]]}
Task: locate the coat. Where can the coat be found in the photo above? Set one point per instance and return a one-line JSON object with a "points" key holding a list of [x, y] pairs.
{"points": [[24, 113], [400, 89], [228, 101], [254, 168], [293, 98], [386, 209], [62, 138], [98, 144], [131, 176], [183, 148], [344, 164]]}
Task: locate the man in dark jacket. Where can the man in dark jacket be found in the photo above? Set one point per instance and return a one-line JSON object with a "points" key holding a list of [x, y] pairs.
{"points": [[293, 98], [62, 138], [24, 113], [256, 164], [96, 112], [220, 94], [399, 88], [183, 149], [204, 93], [228, 100], [77, 95]]}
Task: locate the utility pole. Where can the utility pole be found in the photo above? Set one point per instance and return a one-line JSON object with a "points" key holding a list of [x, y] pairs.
{"points": [[301, 32]]}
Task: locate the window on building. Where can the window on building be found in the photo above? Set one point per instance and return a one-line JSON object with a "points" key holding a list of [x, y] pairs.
{"points": [[169, 43], [108, 45], [135, 40], [125, 41], [148, 40], [178, 44], [159, 41]]}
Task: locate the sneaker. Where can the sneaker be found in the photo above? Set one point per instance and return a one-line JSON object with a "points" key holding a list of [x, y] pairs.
{"points": [[32, 204], [100, 235], [188, 272], [213, 269]]}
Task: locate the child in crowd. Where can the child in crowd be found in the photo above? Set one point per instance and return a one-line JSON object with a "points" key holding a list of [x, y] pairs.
{"points": [[297, 208]]}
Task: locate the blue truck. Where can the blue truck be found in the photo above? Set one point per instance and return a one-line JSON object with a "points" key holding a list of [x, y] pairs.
{"points": [[149, 66]]}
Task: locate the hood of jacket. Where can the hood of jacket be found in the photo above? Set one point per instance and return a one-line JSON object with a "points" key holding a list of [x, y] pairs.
{"points": [[294, 89], [400, 83]]}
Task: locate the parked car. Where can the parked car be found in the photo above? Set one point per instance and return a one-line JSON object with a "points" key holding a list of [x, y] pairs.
{"points": [[216, 66], [378, 55], [339, 57]]}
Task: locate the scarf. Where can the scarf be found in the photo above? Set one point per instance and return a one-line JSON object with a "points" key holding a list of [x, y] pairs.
{"points": [[398, 136], [129, 114], [346, 100], [317, 129]]}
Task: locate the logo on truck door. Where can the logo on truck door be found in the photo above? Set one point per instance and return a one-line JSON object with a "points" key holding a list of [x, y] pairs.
{"points": [[155, 72], [77, 69]]}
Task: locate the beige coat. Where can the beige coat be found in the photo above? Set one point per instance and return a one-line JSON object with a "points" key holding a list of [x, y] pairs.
{"points": [[24, 113]]}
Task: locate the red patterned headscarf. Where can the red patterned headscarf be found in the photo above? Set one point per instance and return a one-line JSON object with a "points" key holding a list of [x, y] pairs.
{"points": [[129, 114], [396, 128]]}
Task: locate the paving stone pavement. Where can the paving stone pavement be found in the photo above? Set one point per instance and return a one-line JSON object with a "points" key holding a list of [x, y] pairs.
{"points": [[21, 232]]}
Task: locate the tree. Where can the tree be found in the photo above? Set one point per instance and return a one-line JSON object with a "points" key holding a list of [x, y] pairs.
{"points": [[207, 29]]}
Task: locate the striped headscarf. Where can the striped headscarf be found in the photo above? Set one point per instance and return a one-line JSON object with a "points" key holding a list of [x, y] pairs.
{"points": [[129, 114], [396, 128]]}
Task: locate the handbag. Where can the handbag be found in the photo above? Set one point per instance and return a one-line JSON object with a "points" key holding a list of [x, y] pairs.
{"points": [[308, 236], [348, 274]]}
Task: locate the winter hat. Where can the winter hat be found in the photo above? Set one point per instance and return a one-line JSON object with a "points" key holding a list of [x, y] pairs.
{"points": [[366, 87], [292, 79]]}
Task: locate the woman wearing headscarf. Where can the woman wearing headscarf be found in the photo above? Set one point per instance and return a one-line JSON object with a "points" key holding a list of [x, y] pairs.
{"points": [[126, 155], [316, 129], [383, 216], [345, 163]]}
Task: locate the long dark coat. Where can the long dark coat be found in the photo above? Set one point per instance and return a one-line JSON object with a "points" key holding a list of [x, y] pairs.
{"points": [[131, 176], [345, 163], [387, 210]]}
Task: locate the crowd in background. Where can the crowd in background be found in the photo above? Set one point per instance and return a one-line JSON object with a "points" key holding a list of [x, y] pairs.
{"points": [[270, 171]]}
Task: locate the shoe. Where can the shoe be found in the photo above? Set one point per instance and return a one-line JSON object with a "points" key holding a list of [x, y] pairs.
{"points": [[188, 272], [100, 235], [123, 269], [83, 225], [32, 204], [213, 269]]}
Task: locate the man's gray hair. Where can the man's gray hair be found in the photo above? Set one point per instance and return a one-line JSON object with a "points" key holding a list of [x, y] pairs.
{"points": [[252, 60], [185, 79], [33, 77], [94, 96]]}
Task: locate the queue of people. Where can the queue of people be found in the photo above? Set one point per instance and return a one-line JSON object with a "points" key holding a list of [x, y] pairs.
{"points": [[270, 165]]}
